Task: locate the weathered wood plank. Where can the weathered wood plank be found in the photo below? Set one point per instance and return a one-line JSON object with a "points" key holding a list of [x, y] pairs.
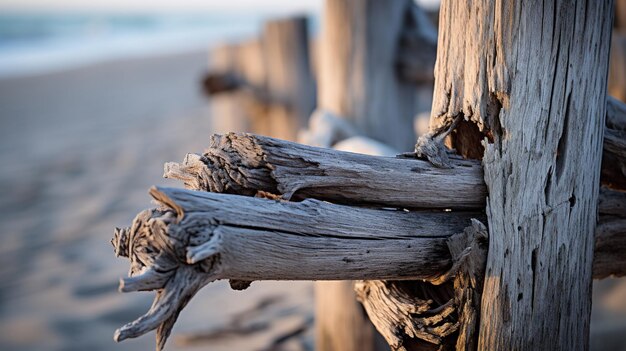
{"points": [[285, 44], [358, 65]]}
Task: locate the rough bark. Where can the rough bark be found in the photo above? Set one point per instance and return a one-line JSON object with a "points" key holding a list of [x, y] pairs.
{"points": [[197, 237], [533, 77]]}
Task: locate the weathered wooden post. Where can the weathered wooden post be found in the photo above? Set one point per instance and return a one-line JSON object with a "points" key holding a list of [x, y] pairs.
{"points": [[231, 66], [538, 106], [532, 77], [289, 78], [357, 74], [264, 85]]}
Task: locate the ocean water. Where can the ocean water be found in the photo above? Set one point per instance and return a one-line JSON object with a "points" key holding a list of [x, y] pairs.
{"points": [[32, 43]]}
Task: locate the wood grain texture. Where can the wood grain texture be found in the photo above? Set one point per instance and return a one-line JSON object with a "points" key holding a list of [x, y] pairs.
{"points": [[245, 163], [533, 75], [416, 315], [197, 237]]}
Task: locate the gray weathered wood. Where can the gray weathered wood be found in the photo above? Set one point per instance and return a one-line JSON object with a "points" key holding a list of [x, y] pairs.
{"points": [[285, 45], [241, 66], [358, 62], [524, 73], [245, 164], [264, 85], [197, 237]]}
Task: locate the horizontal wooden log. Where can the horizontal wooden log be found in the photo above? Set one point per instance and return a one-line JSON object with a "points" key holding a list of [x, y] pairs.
{"points": [[197, 237], [263, 239], [245, 164]]}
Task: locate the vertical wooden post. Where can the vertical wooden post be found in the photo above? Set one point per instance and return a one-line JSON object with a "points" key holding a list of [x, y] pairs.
{"points": [[531, 77], [289, 78], [357, 77], [617, 69], [238, 110]]}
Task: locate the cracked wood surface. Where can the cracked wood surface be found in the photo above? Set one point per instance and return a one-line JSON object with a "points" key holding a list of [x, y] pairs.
{"points": [[534, 77]]}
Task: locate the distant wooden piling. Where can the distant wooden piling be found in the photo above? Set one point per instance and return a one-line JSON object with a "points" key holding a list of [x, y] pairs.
{"points": [[289, 78], [358, 76], [617, 67], [264, 85]]}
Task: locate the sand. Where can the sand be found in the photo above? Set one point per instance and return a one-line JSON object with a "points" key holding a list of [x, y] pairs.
{"points": [[79, 150]]}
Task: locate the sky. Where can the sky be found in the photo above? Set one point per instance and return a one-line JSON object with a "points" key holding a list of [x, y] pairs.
{"points": [[275, 6], [163, 5]]}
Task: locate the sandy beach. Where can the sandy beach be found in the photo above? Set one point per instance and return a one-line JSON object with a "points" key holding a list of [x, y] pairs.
{"points": [[79, 150]]}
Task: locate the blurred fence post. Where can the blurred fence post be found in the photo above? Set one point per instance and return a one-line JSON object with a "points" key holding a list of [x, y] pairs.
{"points": [[238, 109], [617, 67], [264, 86], [289, 77], [358, 73]]}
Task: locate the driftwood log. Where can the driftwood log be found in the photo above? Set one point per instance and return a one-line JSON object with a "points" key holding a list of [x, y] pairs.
{"points": [[260, 166], [245, 164], [194, 238], [489, 108]]}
